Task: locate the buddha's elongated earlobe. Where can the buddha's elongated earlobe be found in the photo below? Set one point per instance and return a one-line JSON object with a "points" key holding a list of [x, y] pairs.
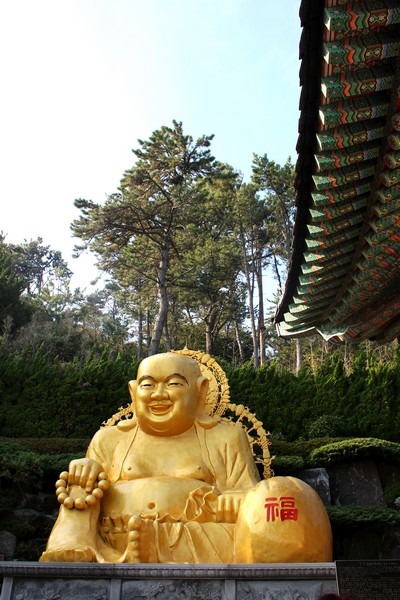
{"points": [[202, 389], [205, 421], [132, 386]]}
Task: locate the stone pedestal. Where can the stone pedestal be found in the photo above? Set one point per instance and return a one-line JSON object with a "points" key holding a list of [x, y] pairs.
{"points": [[73, 581]]}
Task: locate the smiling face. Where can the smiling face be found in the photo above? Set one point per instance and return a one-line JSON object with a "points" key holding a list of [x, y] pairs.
{"points": [[167, 394]]}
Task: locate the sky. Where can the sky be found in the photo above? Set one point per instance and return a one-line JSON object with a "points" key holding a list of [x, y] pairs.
{"points": [[83, 80]]}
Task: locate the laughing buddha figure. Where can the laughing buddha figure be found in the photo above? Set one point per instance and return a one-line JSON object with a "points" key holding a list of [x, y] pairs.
{"points": [[174, 484]]}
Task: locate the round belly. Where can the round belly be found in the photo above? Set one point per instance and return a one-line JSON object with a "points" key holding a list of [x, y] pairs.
{"points": [[154, 497]]}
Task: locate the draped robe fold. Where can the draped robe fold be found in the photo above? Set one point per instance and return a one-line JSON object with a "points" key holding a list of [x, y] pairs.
{"points": [[193, 535]]}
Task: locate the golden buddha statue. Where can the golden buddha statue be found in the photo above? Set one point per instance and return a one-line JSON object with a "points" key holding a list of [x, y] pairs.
{"points": [[174, 484]]}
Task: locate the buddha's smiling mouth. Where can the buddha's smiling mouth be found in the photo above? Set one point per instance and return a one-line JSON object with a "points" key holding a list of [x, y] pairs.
{"points": [[160, 408]]}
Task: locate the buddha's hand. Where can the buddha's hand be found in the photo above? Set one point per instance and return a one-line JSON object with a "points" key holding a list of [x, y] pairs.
{"points": [[228, 504], [84, 472]]}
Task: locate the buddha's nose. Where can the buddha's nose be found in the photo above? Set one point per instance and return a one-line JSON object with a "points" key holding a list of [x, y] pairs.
{"points": [[160, 391]]}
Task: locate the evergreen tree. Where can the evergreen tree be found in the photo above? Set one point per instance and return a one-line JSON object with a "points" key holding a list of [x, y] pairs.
{"points": [[136, 233], [206, 277], [14, 311]]}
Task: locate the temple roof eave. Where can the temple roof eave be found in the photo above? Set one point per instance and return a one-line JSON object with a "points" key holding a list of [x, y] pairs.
{"points": [[346, 237]]}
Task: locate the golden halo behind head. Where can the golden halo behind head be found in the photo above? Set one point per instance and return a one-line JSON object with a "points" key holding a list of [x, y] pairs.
{"points": [[217, 404], [218, 395]]}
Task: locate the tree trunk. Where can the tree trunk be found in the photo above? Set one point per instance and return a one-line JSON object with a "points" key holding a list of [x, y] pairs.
{"points": [[167, 337], [161, 317], [299, 355], [261, 334], [278, 275], [210, 325], [148, 329], [250, 292], [261, 323], [209, 340], [239, 342], [140, 334]]}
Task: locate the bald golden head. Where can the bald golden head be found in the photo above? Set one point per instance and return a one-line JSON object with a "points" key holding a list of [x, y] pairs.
{"points": [[168, 394]]}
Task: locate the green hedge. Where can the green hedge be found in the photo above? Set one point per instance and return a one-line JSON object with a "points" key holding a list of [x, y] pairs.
{"points": [[46, 397], [325, 402]]}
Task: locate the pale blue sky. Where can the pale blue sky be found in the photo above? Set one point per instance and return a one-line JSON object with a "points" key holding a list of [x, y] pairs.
{"points": [[82, 80]]}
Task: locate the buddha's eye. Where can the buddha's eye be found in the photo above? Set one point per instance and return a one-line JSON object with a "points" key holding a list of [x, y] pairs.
{"points": [[146, 385]]}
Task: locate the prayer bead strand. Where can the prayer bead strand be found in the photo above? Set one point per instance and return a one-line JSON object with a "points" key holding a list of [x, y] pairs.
{"points": [[100, 485]]}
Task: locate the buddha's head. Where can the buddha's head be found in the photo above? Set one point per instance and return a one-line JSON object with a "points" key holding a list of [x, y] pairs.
{"points": [[168, 394]]}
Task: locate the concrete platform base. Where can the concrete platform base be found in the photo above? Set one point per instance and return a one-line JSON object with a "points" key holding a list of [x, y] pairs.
{"points": [[75, 581]]}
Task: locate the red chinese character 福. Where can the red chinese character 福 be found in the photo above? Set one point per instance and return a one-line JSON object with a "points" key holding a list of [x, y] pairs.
{"points": [[288, 510], [283, 509], [272, 507]]}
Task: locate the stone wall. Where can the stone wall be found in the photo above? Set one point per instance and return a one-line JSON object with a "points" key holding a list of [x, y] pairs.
{"points": [[357, 488]]}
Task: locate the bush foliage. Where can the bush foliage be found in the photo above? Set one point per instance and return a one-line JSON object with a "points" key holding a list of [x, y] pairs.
{"points": [[42, 396], [353, 516], [325, 402], [293, 457], [46, 397], [355, 449]]}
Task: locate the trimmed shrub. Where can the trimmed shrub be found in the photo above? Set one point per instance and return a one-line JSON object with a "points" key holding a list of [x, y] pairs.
{"points": [[353, 516], [20, 465], [287, 465], [328, 426], [355, 449]]}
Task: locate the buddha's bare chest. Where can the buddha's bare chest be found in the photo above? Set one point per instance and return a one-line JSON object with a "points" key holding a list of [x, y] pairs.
{"points": [[151, 456]]}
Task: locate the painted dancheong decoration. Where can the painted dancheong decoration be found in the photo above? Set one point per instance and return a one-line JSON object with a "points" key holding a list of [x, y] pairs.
{"points": [[345, 263], [172, 478]]}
